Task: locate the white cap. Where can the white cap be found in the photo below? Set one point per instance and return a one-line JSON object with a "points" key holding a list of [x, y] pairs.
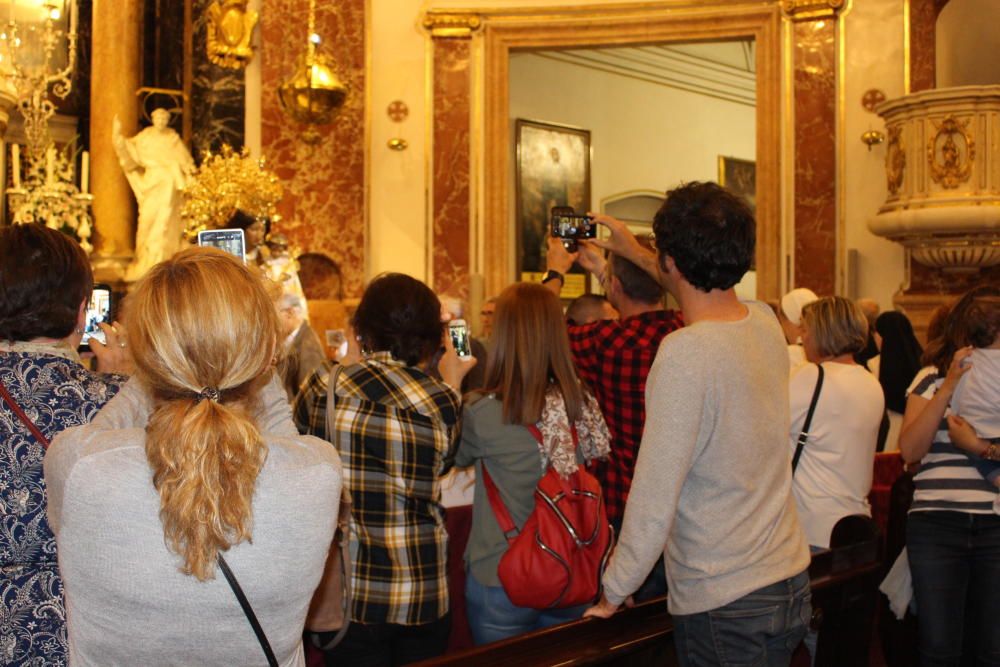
{"points": [[793, 303]]}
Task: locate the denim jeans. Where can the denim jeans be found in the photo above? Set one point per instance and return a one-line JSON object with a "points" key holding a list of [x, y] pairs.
{"points": [[761, 628], [955, 565], [492, 616]]}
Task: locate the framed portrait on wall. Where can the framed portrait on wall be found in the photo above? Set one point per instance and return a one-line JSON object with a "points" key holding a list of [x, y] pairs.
{"points": [[552, 168], [739, 176]]}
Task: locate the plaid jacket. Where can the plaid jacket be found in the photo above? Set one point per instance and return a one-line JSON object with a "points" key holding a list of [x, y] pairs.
{"points": [[396, 429], [614, 358]]}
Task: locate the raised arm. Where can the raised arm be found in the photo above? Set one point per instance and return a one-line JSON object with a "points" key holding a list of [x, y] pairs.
{"points": [[623, 243], [923, 416]]}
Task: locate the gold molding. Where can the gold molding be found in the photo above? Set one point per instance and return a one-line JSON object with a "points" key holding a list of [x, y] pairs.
{"points": [[952, 170], [552, 28], [895, 159], [452, 24], [810, 10]]}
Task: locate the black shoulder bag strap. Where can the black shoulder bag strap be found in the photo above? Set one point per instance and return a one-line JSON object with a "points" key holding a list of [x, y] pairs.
{"points": [[804, 435], [248, 610]]}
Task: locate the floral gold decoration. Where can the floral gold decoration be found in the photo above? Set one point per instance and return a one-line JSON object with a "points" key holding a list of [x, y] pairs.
{"points": [[452, 24], [225, 182], [895, 159], [809, 10], [230, 27], [951, 169]]}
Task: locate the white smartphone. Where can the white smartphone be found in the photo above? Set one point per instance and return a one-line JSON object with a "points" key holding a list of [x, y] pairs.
{"points": [[459, 330], [98, 311], [228, 240]]}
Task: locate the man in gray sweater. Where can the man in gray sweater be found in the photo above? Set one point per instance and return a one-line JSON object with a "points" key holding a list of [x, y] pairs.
{"points": [[712, 486]]}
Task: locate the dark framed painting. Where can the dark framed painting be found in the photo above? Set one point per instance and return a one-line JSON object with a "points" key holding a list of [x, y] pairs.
{"points": [[552, 169], [739, 176]]}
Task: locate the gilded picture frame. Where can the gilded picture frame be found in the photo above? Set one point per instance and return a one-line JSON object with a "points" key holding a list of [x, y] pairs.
{"points": [[552, 168], [740, 177]]}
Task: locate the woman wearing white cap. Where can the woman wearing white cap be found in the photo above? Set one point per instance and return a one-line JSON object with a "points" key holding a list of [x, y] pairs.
{"points": [[790, 317]]}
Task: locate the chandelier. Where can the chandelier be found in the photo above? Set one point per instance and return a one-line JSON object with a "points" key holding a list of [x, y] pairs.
{"points": [[314, 93], [38, 53]]}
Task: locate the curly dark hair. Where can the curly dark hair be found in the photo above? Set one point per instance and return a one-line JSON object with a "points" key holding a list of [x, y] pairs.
{"points": [[709, 232], [401, 315], [954, 332], [44, 277]]}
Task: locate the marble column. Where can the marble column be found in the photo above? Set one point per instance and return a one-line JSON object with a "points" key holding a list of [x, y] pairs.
{"points": [[116, 68], [450, 211], [923, 43], [815, 95]]}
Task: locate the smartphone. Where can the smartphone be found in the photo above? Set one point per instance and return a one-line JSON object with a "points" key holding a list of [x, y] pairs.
{"points": [[98, 311], [228, 240], [568, 224], [459, 331]]}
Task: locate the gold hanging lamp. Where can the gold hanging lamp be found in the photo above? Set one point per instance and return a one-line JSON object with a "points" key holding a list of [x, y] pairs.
{"points": [[314, 94]]}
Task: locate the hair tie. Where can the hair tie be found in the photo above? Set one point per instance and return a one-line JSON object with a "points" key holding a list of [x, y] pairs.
{"points": [[209, 393]]}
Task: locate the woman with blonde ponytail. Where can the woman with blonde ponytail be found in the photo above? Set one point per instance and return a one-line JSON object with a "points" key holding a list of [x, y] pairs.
{"points": [[196, 458]]}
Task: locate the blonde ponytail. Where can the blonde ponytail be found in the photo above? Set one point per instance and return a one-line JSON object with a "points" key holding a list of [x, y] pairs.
{"points": [[201, 320]]}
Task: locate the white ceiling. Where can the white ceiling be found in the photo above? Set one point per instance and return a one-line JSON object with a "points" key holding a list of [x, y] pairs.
{"points": [[725, 70]]}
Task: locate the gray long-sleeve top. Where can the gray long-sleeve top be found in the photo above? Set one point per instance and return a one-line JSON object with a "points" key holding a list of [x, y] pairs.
{"points": [[712, 489]]}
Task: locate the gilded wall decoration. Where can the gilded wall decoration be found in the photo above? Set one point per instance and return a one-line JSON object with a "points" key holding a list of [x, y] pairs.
{"points": [[808, 10], [218, 94], [952, 169], [230, 27], [895, 159]]}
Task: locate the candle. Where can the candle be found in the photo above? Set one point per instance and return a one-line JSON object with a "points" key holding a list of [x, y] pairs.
{"points": [[85, 172], [15, 152], [50, 166]]}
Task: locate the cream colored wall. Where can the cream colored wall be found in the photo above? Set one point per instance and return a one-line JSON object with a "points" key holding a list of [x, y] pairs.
{"points": [[873, 49], [398, 181], [968, 38], [644, 136]]}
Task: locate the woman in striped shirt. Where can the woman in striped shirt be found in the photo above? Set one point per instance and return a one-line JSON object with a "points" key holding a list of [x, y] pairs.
{"points": [[953, 535]]}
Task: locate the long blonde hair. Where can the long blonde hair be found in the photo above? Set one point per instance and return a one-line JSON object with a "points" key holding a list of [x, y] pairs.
{"points": [[199, 322], [530, 353]]}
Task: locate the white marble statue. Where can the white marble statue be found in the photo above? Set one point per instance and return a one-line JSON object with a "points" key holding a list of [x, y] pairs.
{"points": [[158, 166]]}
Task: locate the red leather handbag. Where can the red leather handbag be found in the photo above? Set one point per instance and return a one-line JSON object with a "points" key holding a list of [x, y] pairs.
{"points": [[558, 557]]}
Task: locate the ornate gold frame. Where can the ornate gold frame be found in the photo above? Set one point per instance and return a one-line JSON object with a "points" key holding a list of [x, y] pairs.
{"points": [[501, 31]]}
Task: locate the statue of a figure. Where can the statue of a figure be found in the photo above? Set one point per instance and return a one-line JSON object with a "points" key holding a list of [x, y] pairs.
{"points": [[158, 166]]}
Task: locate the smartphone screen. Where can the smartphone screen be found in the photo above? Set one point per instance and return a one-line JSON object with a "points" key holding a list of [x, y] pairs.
{"points": [[98, 311], [566, 224], [228, 240], [459, 331]]}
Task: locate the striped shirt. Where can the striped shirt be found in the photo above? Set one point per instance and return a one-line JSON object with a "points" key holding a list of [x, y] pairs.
{"points": [[948, 479], [396, 431]]}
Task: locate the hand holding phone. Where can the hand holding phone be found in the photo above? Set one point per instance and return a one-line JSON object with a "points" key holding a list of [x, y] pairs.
{"points": [[459, 332], [98, 312], [568, 224]]}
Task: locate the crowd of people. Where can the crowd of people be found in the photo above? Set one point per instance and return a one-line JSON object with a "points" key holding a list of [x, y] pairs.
{"points": [[189, 499]]}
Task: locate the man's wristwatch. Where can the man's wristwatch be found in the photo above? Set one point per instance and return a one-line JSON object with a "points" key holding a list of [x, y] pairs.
{"points": [[553, 275]]}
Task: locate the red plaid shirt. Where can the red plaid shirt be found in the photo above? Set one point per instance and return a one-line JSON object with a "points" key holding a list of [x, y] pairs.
{"points": [[614, 358]]}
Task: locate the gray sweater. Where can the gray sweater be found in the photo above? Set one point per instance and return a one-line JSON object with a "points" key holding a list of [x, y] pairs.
{"points": [[712, 486], [127, 602]]}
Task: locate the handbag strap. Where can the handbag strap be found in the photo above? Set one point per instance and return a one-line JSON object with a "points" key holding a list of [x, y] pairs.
{"points": [[39, 436], [804, 435], [247, 609], [500, 510], [331, 399]]}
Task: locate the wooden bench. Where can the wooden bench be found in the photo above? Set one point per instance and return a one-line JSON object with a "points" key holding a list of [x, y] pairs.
{"points": [[844, 584]]}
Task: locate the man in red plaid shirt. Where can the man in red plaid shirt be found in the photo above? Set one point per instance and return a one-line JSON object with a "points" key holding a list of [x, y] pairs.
{"points": [[614, 356]]}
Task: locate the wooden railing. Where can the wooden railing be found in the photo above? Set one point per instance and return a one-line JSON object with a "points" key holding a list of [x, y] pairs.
{"points": [[844, 588]]}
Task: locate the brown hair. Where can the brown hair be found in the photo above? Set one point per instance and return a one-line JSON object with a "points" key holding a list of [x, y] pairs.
{"points": [[983, 323], [837, 325], [954, 331], [202, 320], [44, 277], [529, 353]]}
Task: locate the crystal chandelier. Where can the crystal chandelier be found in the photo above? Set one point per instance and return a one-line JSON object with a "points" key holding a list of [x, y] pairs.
{"points": [[314, 93], [38, 53]]}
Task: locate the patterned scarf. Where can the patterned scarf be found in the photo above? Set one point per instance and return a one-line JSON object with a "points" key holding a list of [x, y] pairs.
{"points": [[556, 446]]}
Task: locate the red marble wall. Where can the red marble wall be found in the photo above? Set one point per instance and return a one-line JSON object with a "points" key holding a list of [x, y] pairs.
{"points": [[923, 17], [815, 156], [323, 209], [450, 234]]}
